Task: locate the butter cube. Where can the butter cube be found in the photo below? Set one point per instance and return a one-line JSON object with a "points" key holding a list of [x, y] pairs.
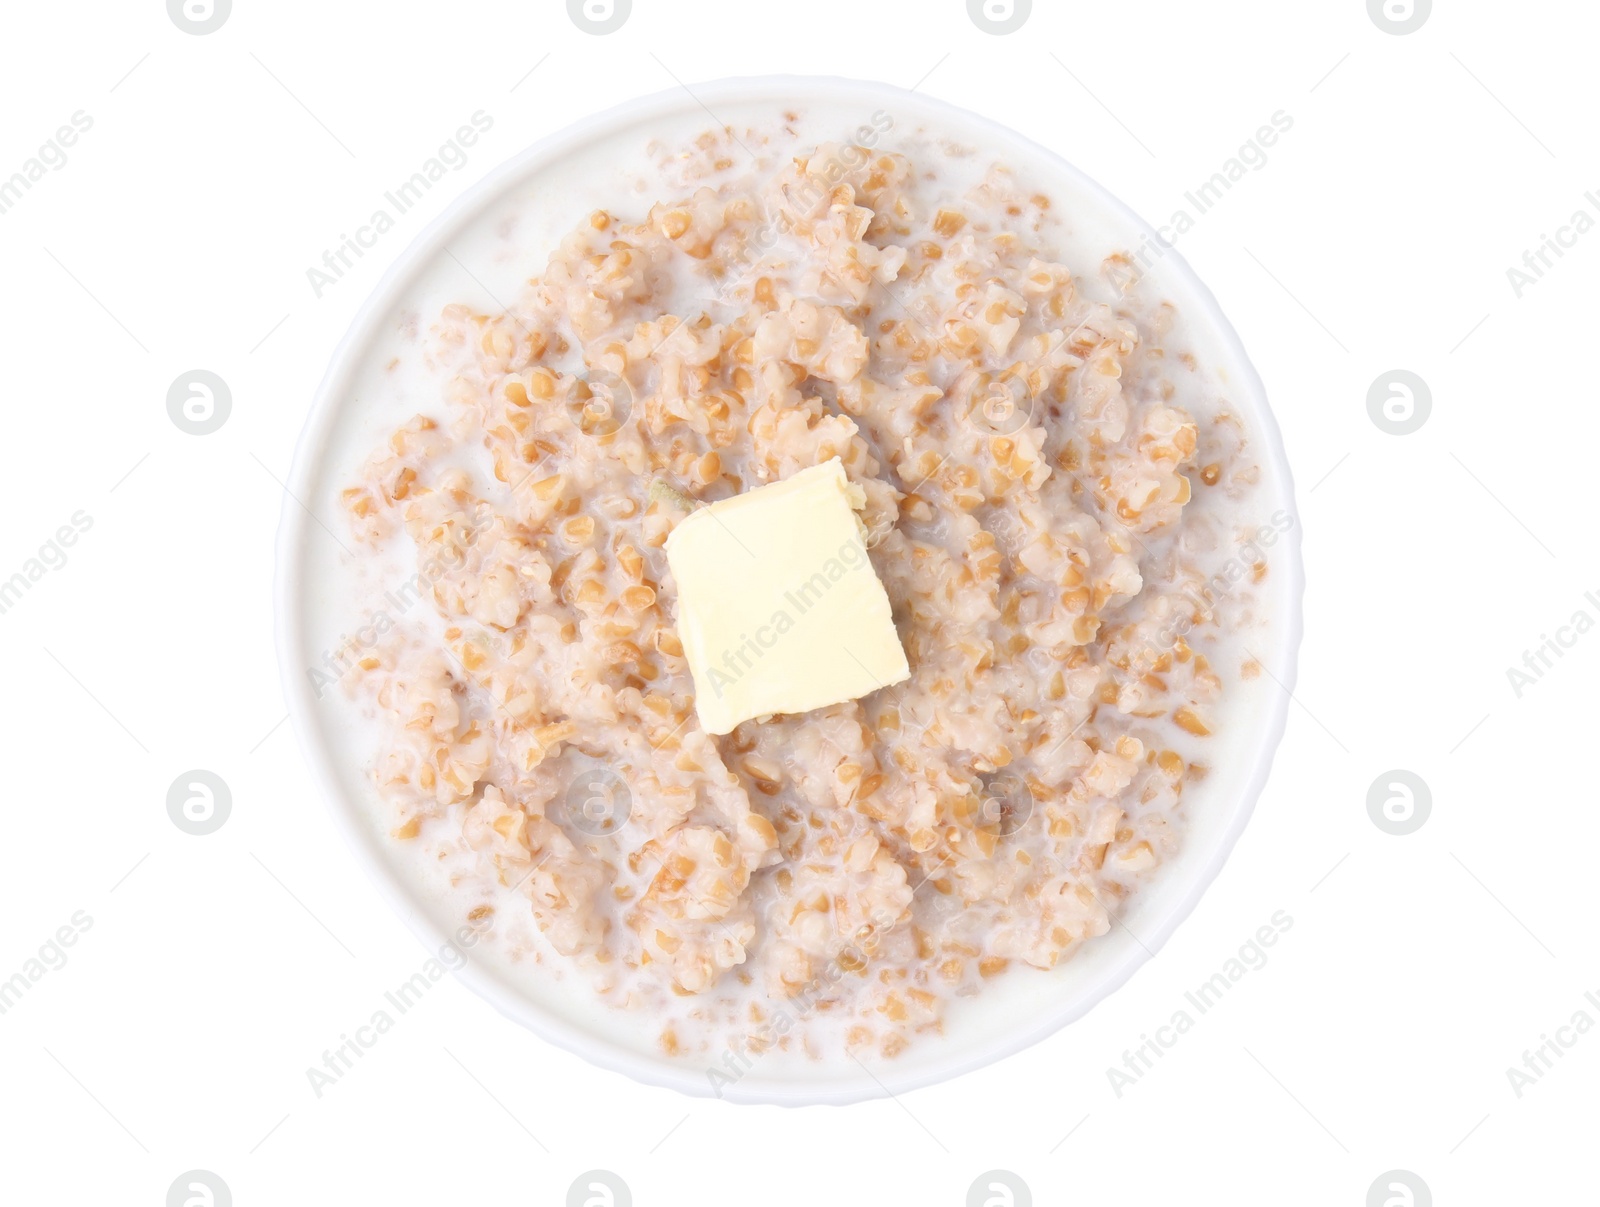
{"points": [[779, 609]]}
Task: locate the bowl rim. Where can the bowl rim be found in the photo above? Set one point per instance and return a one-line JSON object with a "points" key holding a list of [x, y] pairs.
{"points": [[295, 525]]}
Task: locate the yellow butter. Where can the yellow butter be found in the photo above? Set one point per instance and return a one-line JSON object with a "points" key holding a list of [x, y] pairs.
{"points": [[779, 608]]}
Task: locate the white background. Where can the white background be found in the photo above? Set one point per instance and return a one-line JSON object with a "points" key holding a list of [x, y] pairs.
{"points": [[1378, 235]]}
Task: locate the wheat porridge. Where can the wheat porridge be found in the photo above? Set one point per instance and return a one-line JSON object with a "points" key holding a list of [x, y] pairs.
{"points": [[1060, 514]]}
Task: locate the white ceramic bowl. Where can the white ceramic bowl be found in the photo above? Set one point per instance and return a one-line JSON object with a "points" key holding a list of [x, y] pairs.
{"points": [[566, 175]]}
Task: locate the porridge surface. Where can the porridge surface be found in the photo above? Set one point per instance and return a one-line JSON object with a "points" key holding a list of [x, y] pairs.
{"points": [[1069, 554]]}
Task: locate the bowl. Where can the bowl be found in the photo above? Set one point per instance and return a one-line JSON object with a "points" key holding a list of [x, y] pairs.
{"points": [[462, 256]]}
